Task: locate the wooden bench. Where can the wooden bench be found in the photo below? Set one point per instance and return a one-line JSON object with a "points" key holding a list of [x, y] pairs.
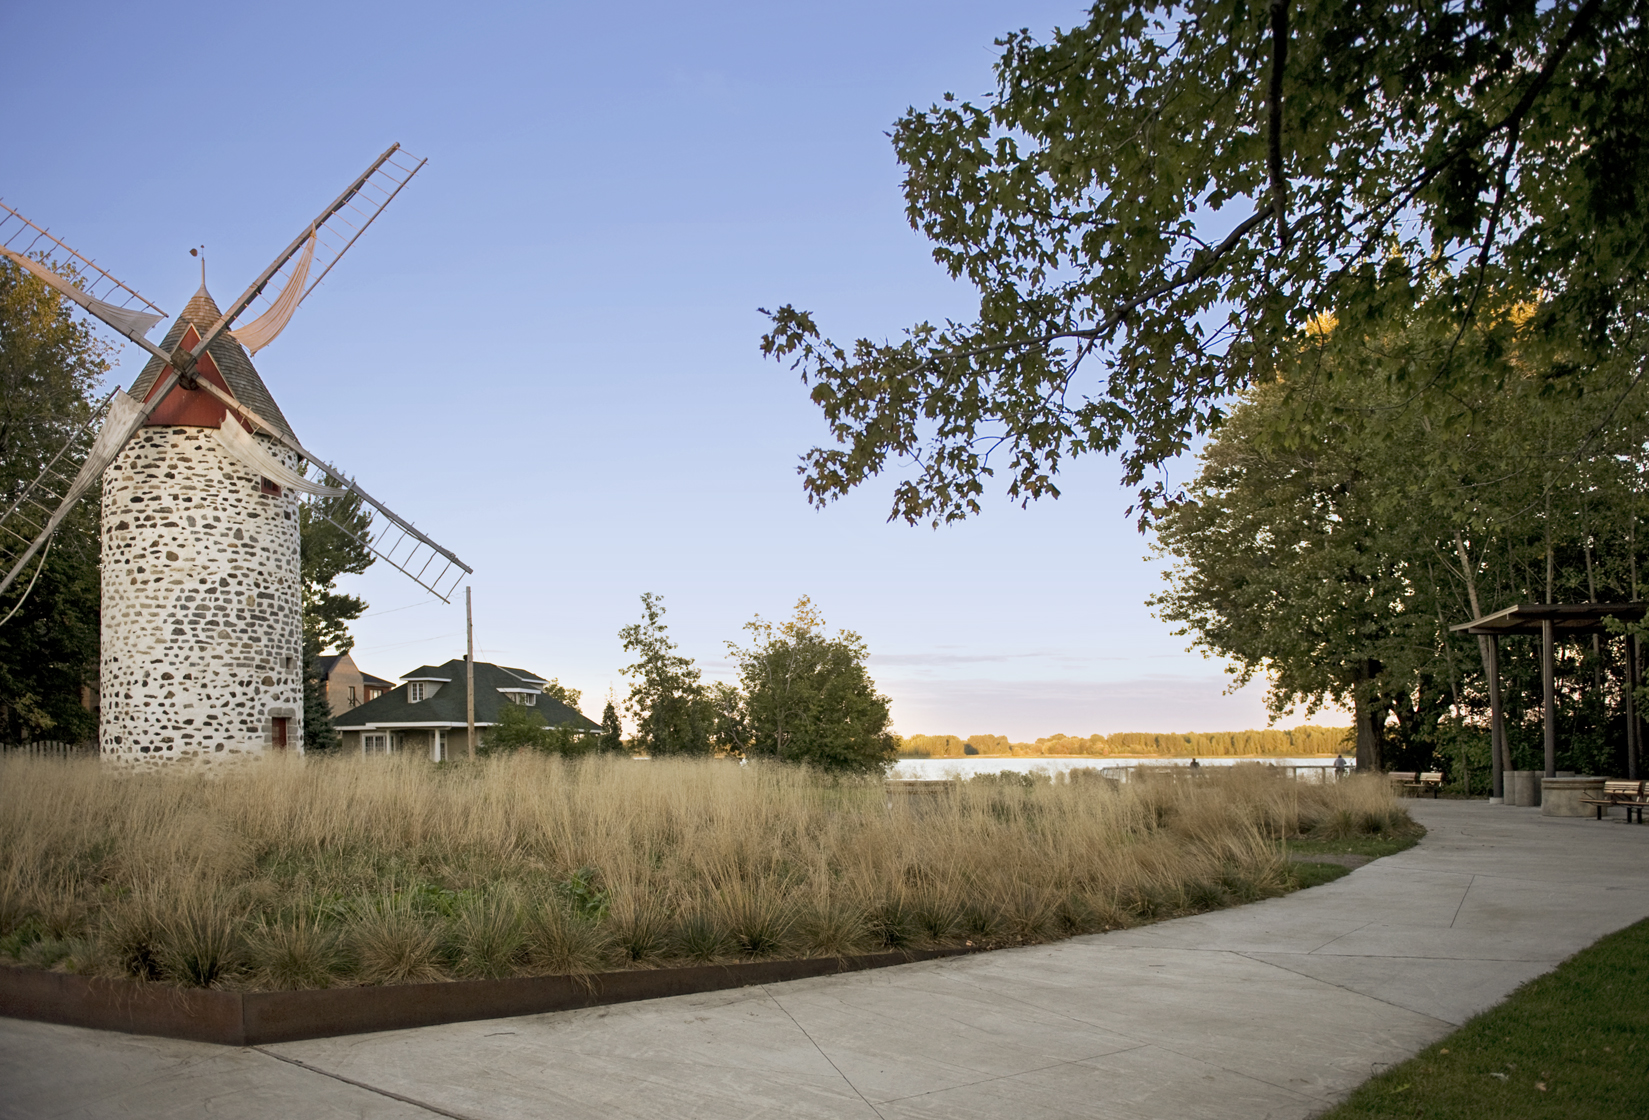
{"points": [[1413, 779], [1630, 796]]}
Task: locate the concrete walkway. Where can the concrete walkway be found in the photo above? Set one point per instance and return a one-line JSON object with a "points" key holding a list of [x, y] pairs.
{"points": [[1271, 1010]]}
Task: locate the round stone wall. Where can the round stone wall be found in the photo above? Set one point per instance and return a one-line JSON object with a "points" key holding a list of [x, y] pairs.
{"points": [[202, 619]]}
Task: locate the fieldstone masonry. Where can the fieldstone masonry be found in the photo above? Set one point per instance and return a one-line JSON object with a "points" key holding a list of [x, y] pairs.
{"points": [[202, 619]]}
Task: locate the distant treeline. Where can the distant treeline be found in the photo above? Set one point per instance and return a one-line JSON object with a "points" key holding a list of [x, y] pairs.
{"points": [[1306, 740]]}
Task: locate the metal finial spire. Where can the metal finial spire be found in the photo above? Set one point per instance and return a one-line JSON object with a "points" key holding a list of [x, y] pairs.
{"points": [[201, 253]]}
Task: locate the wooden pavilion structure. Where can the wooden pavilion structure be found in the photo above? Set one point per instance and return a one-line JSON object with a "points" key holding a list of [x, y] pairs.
{"points": [[1552, 621]]}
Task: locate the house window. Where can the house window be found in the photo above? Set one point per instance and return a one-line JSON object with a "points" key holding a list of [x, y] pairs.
{"points": [[374, 743], [438, 745], [415, 691], [271, 488], [527, 699], [352, 700]]}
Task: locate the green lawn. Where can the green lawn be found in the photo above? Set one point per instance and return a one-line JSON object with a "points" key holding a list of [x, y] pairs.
{"points": [[1572, 1044], [1306, 873], [1375, 846]]}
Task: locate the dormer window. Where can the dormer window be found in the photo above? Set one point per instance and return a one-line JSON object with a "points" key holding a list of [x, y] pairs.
{"points": [[415, 691], [520, 696]]}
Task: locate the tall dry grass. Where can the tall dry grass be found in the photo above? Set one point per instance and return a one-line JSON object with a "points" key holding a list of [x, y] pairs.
{"points": [[310, 872]]}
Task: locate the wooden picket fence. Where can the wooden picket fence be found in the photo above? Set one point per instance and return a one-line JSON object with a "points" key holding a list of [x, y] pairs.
{"points": [[50, 748]]}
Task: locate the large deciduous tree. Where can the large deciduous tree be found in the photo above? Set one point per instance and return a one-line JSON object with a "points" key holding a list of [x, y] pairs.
{"points": [[1338, 527], [1152, 205], [808, 697], [50, 366]]}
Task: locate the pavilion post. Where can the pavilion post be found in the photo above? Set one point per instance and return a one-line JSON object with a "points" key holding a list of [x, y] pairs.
{"points": [[1634, 730], [1497, 725], [1547, 641]]}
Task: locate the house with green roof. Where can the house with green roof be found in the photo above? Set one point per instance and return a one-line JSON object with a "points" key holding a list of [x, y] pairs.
{"points": [[427, 713]]}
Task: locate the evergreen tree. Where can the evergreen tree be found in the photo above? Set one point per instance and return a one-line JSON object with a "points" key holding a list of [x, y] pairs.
{"points": [[612, 732], [667, 699], [319, 734], [327, 552]]}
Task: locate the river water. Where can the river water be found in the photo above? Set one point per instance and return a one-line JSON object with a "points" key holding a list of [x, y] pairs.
{"points": [[1309, 768]]}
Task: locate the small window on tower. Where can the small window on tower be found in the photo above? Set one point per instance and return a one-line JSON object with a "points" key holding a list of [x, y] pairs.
{"points": [[270, 488]]}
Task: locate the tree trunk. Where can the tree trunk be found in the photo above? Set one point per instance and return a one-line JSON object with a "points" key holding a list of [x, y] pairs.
{"points": [[1367, 714]]}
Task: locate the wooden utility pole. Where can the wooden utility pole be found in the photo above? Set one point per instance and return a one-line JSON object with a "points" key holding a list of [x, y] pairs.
{"points": [[469, 670]]}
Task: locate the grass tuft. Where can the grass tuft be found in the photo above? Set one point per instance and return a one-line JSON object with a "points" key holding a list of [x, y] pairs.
{"points": [[394, 944], [557, 942], [295, 953]]}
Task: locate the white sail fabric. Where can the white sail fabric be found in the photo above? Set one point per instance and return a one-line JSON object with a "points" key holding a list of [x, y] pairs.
{"points": [[260, 332], [131, 323], [125, 416], [239, 443]]}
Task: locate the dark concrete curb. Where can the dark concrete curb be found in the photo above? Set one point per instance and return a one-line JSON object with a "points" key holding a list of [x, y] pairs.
{"points": [[253, 1018]]}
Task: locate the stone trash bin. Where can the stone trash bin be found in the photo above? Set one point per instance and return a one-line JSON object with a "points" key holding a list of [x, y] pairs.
{"points": [[1561, 797], [1523, 787]]}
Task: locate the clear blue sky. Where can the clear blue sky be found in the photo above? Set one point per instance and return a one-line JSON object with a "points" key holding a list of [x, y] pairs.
{"points": [[545, 353]]}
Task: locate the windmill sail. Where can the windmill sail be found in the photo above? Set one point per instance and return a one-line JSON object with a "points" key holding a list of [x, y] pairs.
{"points": [[386, 534], [281, 287], [128, 321], [243, 447], [262, 330], [40, 507], [90, 285]]}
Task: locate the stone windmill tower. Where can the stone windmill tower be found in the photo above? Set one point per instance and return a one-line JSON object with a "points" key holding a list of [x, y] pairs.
{"points": [[202, 647]]}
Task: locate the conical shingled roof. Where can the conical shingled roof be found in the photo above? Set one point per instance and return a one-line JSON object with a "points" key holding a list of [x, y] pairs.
{"points": [[231, 358]]}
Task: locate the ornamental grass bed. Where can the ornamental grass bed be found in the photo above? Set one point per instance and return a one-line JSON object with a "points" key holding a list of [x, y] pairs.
{"points": [[318, 872]]}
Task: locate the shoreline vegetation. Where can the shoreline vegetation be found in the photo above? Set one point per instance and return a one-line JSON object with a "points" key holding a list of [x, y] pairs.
{"points": [[345, 871], [1297, 741]]}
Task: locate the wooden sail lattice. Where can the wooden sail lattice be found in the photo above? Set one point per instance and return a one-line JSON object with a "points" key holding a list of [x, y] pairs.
{"points": [[386, 534], [398, 543], [334, 231], [21, 238], [29, 510]]}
